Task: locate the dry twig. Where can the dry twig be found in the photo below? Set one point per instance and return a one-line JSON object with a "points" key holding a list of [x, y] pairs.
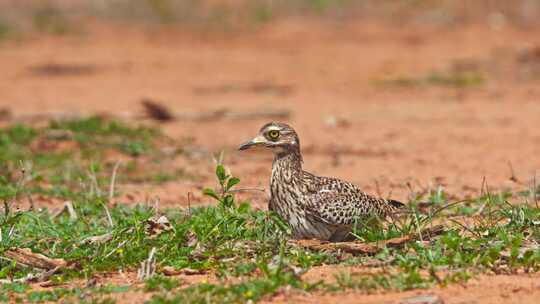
{"points": [[170, 271], [369, 248], [148, 267], [27, 257]]}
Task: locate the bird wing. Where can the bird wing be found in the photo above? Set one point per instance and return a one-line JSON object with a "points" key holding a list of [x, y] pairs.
{"points": [[342, 205], [331, 207]]}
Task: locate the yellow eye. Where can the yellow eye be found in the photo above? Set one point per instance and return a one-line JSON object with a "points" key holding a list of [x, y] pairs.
{"points": [[273, 134]]}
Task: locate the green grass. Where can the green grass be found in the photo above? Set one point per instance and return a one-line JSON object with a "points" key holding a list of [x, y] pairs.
{"points": [[54, 160], [52, 20], [7, 29], [160, 283], [455, 79], [244, 250]]}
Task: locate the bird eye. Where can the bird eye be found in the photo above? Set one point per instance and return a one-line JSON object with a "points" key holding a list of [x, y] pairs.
{"points": [[273, 134]]}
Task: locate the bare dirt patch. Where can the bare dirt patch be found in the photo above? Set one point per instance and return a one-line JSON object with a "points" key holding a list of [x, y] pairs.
{"points": [[484, 289]]}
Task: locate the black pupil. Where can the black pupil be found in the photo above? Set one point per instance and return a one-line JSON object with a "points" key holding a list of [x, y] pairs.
{"points": [[273, 134]]}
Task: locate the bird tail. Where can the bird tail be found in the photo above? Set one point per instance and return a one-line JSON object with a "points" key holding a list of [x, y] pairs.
{"points": [[393, 207], [396, 204]]}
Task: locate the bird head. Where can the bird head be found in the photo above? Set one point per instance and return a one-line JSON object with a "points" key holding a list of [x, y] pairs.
{"points": [[278, 137]]}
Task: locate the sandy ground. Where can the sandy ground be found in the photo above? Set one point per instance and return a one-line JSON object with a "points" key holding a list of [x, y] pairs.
{"points": [[484, 289], [386, 139]]}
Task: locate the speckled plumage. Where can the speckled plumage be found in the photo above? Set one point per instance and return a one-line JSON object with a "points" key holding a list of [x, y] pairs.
{"points": [[315, 207]]}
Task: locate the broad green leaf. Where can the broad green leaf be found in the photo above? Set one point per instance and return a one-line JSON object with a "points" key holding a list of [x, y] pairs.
{"points": [[211, 193], [232, 182]]}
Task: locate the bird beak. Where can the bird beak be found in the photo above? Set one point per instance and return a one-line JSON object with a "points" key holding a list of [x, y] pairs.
{"points": [[254, 142]]}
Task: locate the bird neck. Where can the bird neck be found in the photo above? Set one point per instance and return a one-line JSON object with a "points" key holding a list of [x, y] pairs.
{"points": [[287, 164]]}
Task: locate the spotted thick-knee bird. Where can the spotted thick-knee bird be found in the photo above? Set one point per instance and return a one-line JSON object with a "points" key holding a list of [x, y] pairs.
{"points": [[323, 208]]}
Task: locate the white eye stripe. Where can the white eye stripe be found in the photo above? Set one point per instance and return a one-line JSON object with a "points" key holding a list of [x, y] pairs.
{"points": [[279, 130], [274, 129]]}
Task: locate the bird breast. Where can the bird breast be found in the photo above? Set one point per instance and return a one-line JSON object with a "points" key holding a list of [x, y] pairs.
{"points": [[286, 194]]}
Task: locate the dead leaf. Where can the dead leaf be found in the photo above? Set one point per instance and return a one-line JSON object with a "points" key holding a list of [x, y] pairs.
{"points": [[157, 226]]}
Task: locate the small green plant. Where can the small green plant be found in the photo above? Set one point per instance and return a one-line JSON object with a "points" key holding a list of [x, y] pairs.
{"points": [[65, 152], [133, 148], [226, 182], [160, 283]]}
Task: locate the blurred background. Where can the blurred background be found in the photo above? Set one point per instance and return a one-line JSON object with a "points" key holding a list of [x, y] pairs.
{"points": [[395, 96]]}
